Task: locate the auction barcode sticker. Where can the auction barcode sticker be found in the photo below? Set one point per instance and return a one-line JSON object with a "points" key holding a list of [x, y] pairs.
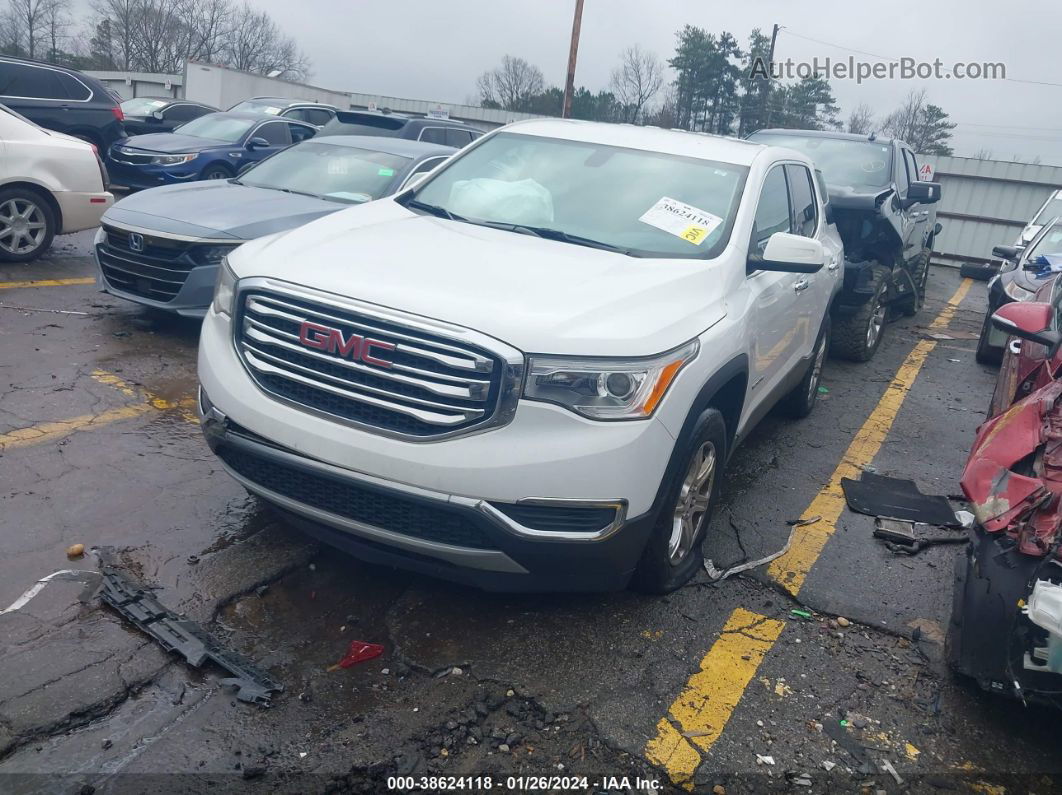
{"points": [[681, 220]]}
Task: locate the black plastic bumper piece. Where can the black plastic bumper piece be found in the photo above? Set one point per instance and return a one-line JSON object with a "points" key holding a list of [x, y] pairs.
{"points": [[562, 565]]}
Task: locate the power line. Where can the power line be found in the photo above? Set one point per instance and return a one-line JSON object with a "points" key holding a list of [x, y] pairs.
{"points": [[893, 59]]}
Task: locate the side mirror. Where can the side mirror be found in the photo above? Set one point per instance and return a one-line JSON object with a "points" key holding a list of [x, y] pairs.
{"points": [[828, 213], [789, 253], [1006, 252], [1028, 320], [257, 143], [155, 117], [922, 193]]}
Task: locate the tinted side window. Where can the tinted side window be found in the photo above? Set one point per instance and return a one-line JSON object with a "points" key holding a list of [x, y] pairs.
{"points": [[73, 87], [19, 80], [300, 132], [318, 116], [275, 132], [458, 138], [433, 135], [183, 112], [802, 195], [772, 212]]}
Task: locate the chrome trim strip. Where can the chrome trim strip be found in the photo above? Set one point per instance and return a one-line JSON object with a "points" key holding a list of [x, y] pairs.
{"points": [[446, 390], [511, 378], [479, 363], [123, 227], [108, 253], [432, 418], [475, 503]]}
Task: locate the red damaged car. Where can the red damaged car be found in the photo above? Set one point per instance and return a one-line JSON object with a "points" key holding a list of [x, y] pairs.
{"points": [[1006, 627]]}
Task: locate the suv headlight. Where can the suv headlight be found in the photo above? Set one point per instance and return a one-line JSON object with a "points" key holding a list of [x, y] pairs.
{"points": [[173, 160], [606, 389], [1015, 290], [224, 289]]}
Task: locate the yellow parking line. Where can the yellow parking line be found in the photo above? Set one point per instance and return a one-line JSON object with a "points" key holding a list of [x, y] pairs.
{"points": [[46, 283], [50, 431], [714, 691], [185, 406]]}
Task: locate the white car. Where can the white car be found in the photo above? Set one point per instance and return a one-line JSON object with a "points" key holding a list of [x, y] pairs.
{"points": [[50, 184], [528, 371], [1051, 208]]}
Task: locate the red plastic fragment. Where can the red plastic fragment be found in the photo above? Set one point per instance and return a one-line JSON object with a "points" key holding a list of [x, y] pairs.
{"points": [[360, 651]]}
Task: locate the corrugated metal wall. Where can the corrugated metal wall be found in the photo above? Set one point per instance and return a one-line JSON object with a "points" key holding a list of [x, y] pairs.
{"points": [[986, 203]]}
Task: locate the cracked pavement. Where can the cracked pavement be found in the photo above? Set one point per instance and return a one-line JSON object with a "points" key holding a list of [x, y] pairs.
{"points": [[469, 683]]}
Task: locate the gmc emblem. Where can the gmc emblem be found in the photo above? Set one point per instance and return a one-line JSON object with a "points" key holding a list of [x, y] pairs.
{"points": [[331, 340]]}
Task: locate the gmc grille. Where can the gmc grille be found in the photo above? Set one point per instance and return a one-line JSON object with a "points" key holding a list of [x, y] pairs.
{"points": [[417, 385]]}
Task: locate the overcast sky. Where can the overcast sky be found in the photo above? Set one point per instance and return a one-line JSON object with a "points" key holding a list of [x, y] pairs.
{"points": [[424, 49]]}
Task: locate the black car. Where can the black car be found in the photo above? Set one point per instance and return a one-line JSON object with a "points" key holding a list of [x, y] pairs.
{"points": [[444, 132], [160, 114], [316, 113], [61, 99]]}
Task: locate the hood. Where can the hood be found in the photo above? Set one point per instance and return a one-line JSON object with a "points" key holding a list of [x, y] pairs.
{"points": [[171, 143], [541, 296], [845, 197], [238, 211]]}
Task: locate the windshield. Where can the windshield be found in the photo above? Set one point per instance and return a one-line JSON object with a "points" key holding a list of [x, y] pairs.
{"points": [[340, 173], [1046, 251], [142, 106], [268, 105], [645, 203], [1051, 210], [853, 164], [217, 127]]}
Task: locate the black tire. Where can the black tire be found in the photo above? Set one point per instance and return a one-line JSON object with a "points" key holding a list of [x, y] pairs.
{"points": [[851, 338], [672, 557], [921, 279], [801, 400], [23, 212], [987, 353], [216, 171], [973, 270]]}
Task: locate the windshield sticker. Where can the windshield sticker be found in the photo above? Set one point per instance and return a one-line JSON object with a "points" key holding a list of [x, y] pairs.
{"points": [[681, 220], [386, 172]]}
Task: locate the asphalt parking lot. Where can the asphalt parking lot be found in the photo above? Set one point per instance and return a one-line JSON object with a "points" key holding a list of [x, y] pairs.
{"points": [[716, 686]]}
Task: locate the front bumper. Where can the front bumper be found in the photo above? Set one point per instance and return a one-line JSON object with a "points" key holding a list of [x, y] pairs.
{"points": [[150, 176], [526, 546]]}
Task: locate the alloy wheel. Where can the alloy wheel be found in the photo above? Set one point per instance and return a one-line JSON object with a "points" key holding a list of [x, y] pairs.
{"points": [[691, 508], [876, 324], [816, 369], [22, 226]]}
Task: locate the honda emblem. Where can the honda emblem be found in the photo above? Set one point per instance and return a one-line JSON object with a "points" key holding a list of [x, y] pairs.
{"points": [[136, 241]]}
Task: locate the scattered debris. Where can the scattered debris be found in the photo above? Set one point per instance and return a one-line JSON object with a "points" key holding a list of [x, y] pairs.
{"points": [[175, 632], [358, 651], [828, 765], [886, 765], [764, 760], [36, 309], [716, 575], [75, 550], [900, 537], [843, 622], [90, 578], [800, 613], [896, 498]]}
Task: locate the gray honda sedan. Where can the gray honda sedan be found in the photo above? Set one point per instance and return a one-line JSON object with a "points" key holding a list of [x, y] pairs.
{"points": [[162, 247]]}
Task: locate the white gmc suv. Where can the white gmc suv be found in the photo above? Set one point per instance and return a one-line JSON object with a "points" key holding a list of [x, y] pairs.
{"points": [[528, 371]]}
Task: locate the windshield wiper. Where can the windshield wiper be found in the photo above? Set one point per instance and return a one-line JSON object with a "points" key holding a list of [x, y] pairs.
{"points": [[434, 209], [556, 234], [296, 192]]}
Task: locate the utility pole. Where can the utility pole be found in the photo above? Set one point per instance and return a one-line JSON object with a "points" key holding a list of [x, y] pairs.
{"points": [[766, 115], [569, 83]]}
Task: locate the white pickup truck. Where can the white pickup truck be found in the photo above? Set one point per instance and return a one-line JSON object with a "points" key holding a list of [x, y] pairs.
{"points": [[528, 371]]}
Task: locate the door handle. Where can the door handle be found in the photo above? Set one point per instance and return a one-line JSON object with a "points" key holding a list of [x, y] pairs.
{"points": [[833, 264], [802, 285]]}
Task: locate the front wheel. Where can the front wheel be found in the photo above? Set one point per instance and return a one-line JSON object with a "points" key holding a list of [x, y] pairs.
{"points": [[856, 337], [216, 172], [27, 225], [673, 553]]}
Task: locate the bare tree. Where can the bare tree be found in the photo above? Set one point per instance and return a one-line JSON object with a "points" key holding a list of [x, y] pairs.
{"points": [[982, 154], [636, 80], [257, 45], [119, 19], [211, 23], [57, 24], [30, 19], [861, 120], [903, 122], [511, 85]]}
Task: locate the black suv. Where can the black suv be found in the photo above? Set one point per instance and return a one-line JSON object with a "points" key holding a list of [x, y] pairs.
{"points": [[397, 125], [61, 99]]}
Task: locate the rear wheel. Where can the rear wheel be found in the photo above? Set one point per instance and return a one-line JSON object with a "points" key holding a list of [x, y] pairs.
{"points": [[856, 337], [673, 553], [27, 225], [799, 403]]}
